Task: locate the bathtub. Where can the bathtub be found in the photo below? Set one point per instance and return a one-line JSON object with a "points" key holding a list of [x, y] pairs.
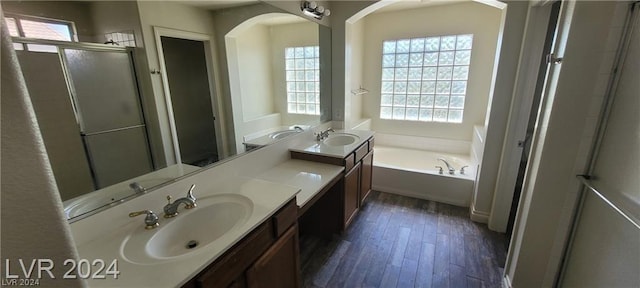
{"points": [[413, 173]]}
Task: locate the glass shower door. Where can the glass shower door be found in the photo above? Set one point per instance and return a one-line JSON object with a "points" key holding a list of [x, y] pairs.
{"points": [[108, 108]]}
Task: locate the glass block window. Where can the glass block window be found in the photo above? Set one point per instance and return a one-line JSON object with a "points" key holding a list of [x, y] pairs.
{"points": [[40, 28], [302, 67], [124, 38], [425, 79]]}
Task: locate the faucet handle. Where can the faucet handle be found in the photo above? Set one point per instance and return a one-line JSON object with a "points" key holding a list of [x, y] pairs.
{"points": [[440, 170], [150, 221], [190, 196], [462, 169]]}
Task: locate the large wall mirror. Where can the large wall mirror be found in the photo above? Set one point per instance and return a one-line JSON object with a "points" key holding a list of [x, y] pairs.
{"points": [[133, 95]]}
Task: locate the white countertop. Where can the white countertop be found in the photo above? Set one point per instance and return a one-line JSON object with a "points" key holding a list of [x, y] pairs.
{"points": [[267, 198], [310, 177], [263, 138], [319, 148], [268, 191], [90, 201]]}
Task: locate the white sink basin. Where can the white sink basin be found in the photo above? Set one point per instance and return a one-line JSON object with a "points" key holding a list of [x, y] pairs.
{"points": [[341, 139], [106, 196], [283, 133], [188, 232]]}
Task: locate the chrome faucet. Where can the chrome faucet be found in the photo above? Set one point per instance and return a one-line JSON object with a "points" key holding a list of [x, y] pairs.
{"points": [[298, 128], [324, 134], [137, 187], [449, 167], [171, 209], [462, 169], [150, 221]]}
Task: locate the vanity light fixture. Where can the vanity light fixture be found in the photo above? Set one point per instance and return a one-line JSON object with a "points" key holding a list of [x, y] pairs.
{"points": [[311, 8]]}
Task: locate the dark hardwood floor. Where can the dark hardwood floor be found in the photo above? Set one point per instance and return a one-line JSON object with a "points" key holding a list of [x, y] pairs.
{"points": [[398, 241]]}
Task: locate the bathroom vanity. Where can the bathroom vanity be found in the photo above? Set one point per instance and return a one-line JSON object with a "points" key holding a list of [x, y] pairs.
{"points": [[352, 150], [270, 249], [245, 227]]}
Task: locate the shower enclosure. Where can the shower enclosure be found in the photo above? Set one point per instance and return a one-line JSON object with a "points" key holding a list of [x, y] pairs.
{"points": [[89, 110]]}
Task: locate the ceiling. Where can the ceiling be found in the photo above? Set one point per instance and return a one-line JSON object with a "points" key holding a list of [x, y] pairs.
{"points": [[217, 4], [415, 4]]}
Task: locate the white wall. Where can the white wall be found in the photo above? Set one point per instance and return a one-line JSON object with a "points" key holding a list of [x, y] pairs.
{"points": [[282, 36], [467, 18], [254, 74], [33, 222], [501, 96], [186, 18], [353, 78]]}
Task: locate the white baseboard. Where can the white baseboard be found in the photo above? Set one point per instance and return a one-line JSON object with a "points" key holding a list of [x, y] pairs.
{"points": [[506, 283], [479, 216]]}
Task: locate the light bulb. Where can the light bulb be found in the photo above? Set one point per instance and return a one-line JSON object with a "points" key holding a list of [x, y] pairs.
{"points": [[327, 12], [313, 4], [320, 9]]}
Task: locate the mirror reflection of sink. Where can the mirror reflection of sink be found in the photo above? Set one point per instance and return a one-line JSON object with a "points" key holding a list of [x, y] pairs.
{"points": [[341, 139], [107, 196], [283, 133], [191, 230]]}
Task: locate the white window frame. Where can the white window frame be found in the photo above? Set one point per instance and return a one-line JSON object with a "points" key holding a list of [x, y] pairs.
{"points": [[37, 47], [413, 89], [302, 81]]}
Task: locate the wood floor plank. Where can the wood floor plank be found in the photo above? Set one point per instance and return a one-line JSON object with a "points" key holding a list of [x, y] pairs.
{"points": [[396, 241], [457, 276], [397, 256], [390, 276], [357, 275], [430, 224], [444, 226], [424, 273], [474, 283], [415, 240], [441, 262], [408, 272], [473, 261], [456, 255], [323, 277]]}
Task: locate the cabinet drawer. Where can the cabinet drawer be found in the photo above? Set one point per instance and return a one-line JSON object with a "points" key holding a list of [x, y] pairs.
{"points": [[234, 262], [362, 151], [285, 218], [349, 162]]}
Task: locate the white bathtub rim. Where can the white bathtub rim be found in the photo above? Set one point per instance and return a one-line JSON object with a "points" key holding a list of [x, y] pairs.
{"points": [[434, 172], [457, 158]]}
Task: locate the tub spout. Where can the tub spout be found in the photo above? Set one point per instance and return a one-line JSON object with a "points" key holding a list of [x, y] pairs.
{"points": [[449, 167]]}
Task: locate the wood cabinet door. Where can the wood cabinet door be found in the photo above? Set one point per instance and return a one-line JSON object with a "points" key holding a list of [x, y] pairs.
{"points": [[365, 176], [351, 189], [279, 266]]}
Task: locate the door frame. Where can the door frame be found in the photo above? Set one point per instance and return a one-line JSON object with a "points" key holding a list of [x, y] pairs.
{"points": [[519, 114], [207, 41]]}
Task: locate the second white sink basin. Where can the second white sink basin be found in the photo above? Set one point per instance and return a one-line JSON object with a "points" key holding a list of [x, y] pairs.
{"points": [[283, 134], [192, 229], [341, 139]]}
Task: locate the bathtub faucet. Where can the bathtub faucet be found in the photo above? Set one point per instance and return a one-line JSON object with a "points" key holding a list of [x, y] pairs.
{"points": [[449, 167]]}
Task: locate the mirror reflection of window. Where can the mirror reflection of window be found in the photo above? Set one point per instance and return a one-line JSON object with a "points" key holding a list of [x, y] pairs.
{"points": [[302, 65], [39, 28]]}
